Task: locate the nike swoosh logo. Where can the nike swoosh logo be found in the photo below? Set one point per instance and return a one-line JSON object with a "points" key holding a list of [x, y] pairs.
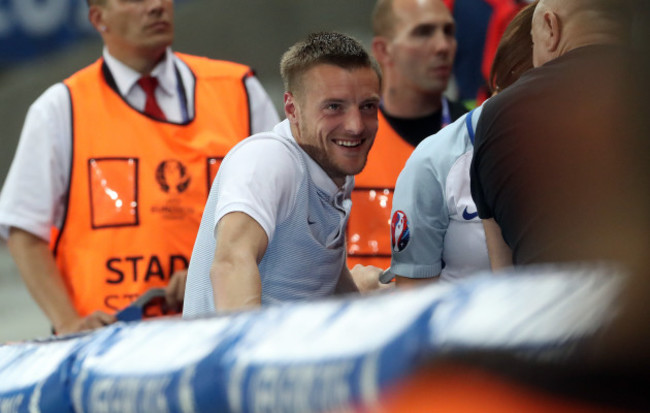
{"points": [[467, 216]]}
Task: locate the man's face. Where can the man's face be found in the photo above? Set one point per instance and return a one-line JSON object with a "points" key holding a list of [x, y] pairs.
{"points": [[423, 45], [138, 25], [334, 117]]}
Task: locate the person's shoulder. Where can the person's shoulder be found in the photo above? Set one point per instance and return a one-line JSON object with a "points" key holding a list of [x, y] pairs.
{"points": [[205, 66], [265, 159], [57, 95], [268, 148], [518, 95], [87, 72], [439, 151], [453, 137]]}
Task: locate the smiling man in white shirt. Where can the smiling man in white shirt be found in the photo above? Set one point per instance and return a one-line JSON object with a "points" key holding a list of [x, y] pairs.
{"points": [[274, 226]]}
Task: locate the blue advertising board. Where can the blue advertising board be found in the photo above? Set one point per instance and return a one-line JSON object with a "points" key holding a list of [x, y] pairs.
{"points": [[29, 28]]}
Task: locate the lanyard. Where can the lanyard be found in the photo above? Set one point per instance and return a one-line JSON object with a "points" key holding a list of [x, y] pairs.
{"points": [[470, 127], [182, 96], [445, 118]]}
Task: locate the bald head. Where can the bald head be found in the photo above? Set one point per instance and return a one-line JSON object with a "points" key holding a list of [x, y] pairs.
{"points": [[559, 26], [603, 15], [386, 13], [382, 18]]}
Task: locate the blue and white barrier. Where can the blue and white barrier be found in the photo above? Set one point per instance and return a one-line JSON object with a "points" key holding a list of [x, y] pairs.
{"points": [[303, 357]]}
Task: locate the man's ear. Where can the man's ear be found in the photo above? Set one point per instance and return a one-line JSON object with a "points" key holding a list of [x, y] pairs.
{"points": [[380, 49], [290, 107], [96, 18], [552, 25]]}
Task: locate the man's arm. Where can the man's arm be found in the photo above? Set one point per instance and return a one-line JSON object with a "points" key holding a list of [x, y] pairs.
{"points": [[38, 269], [420, 215], [499, 252], [235, 276]]}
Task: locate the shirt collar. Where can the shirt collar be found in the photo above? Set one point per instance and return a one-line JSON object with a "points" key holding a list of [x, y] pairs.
{"points": [[318, 175], [126, 78]]}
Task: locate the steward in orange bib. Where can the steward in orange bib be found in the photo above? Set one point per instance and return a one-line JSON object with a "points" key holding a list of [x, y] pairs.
{"points": [[118, 159], [138, 186]]}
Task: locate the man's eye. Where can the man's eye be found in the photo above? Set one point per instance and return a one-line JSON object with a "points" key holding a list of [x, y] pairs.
{"points": [[450, 30], [424, 31]]}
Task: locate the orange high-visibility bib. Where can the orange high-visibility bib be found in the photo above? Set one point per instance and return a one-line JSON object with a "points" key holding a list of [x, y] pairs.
{"points": [[138, 185]]}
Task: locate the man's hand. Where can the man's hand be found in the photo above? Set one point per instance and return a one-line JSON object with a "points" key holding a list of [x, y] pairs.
{"points": [[366, 277], [45, 284], [175, 291], [90, 322]]}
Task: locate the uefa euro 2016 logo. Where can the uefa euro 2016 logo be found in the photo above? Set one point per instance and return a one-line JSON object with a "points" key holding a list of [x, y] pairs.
{"points": [[172, 176], [399, 231]]}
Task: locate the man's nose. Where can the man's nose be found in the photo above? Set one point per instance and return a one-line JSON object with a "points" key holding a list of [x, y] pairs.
{"points": [[442, 42], [156, 5], [354, 122]]}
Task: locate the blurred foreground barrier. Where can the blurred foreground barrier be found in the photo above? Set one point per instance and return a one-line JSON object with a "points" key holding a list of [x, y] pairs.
{"points": [[302, 357]]}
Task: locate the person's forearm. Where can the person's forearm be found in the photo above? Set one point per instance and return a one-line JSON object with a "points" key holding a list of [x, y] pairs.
{"points": [[235, 277], [38, 269], [236, 285]]}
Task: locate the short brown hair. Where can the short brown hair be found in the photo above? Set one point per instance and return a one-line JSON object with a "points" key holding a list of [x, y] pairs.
{"points": [[514, 54], [323, 48]]}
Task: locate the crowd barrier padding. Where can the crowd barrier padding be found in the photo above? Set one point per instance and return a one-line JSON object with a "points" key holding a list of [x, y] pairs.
{"points": [[306, 356]]}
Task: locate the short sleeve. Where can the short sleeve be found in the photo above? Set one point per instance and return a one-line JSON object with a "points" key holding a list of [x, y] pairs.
{"points": [[420, 219], [259, 177], [33, 196]]}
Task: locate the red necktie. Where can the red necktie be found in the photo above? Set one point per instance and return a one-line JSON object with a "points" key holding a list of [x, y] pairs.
{"points": [[151, 108]]}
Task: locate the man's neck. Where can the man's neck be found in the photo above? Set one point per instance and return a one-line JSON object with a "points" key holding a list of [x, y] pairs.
{"points": [[142, 63], [588, 40], [585, 30], [405, 103]]}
